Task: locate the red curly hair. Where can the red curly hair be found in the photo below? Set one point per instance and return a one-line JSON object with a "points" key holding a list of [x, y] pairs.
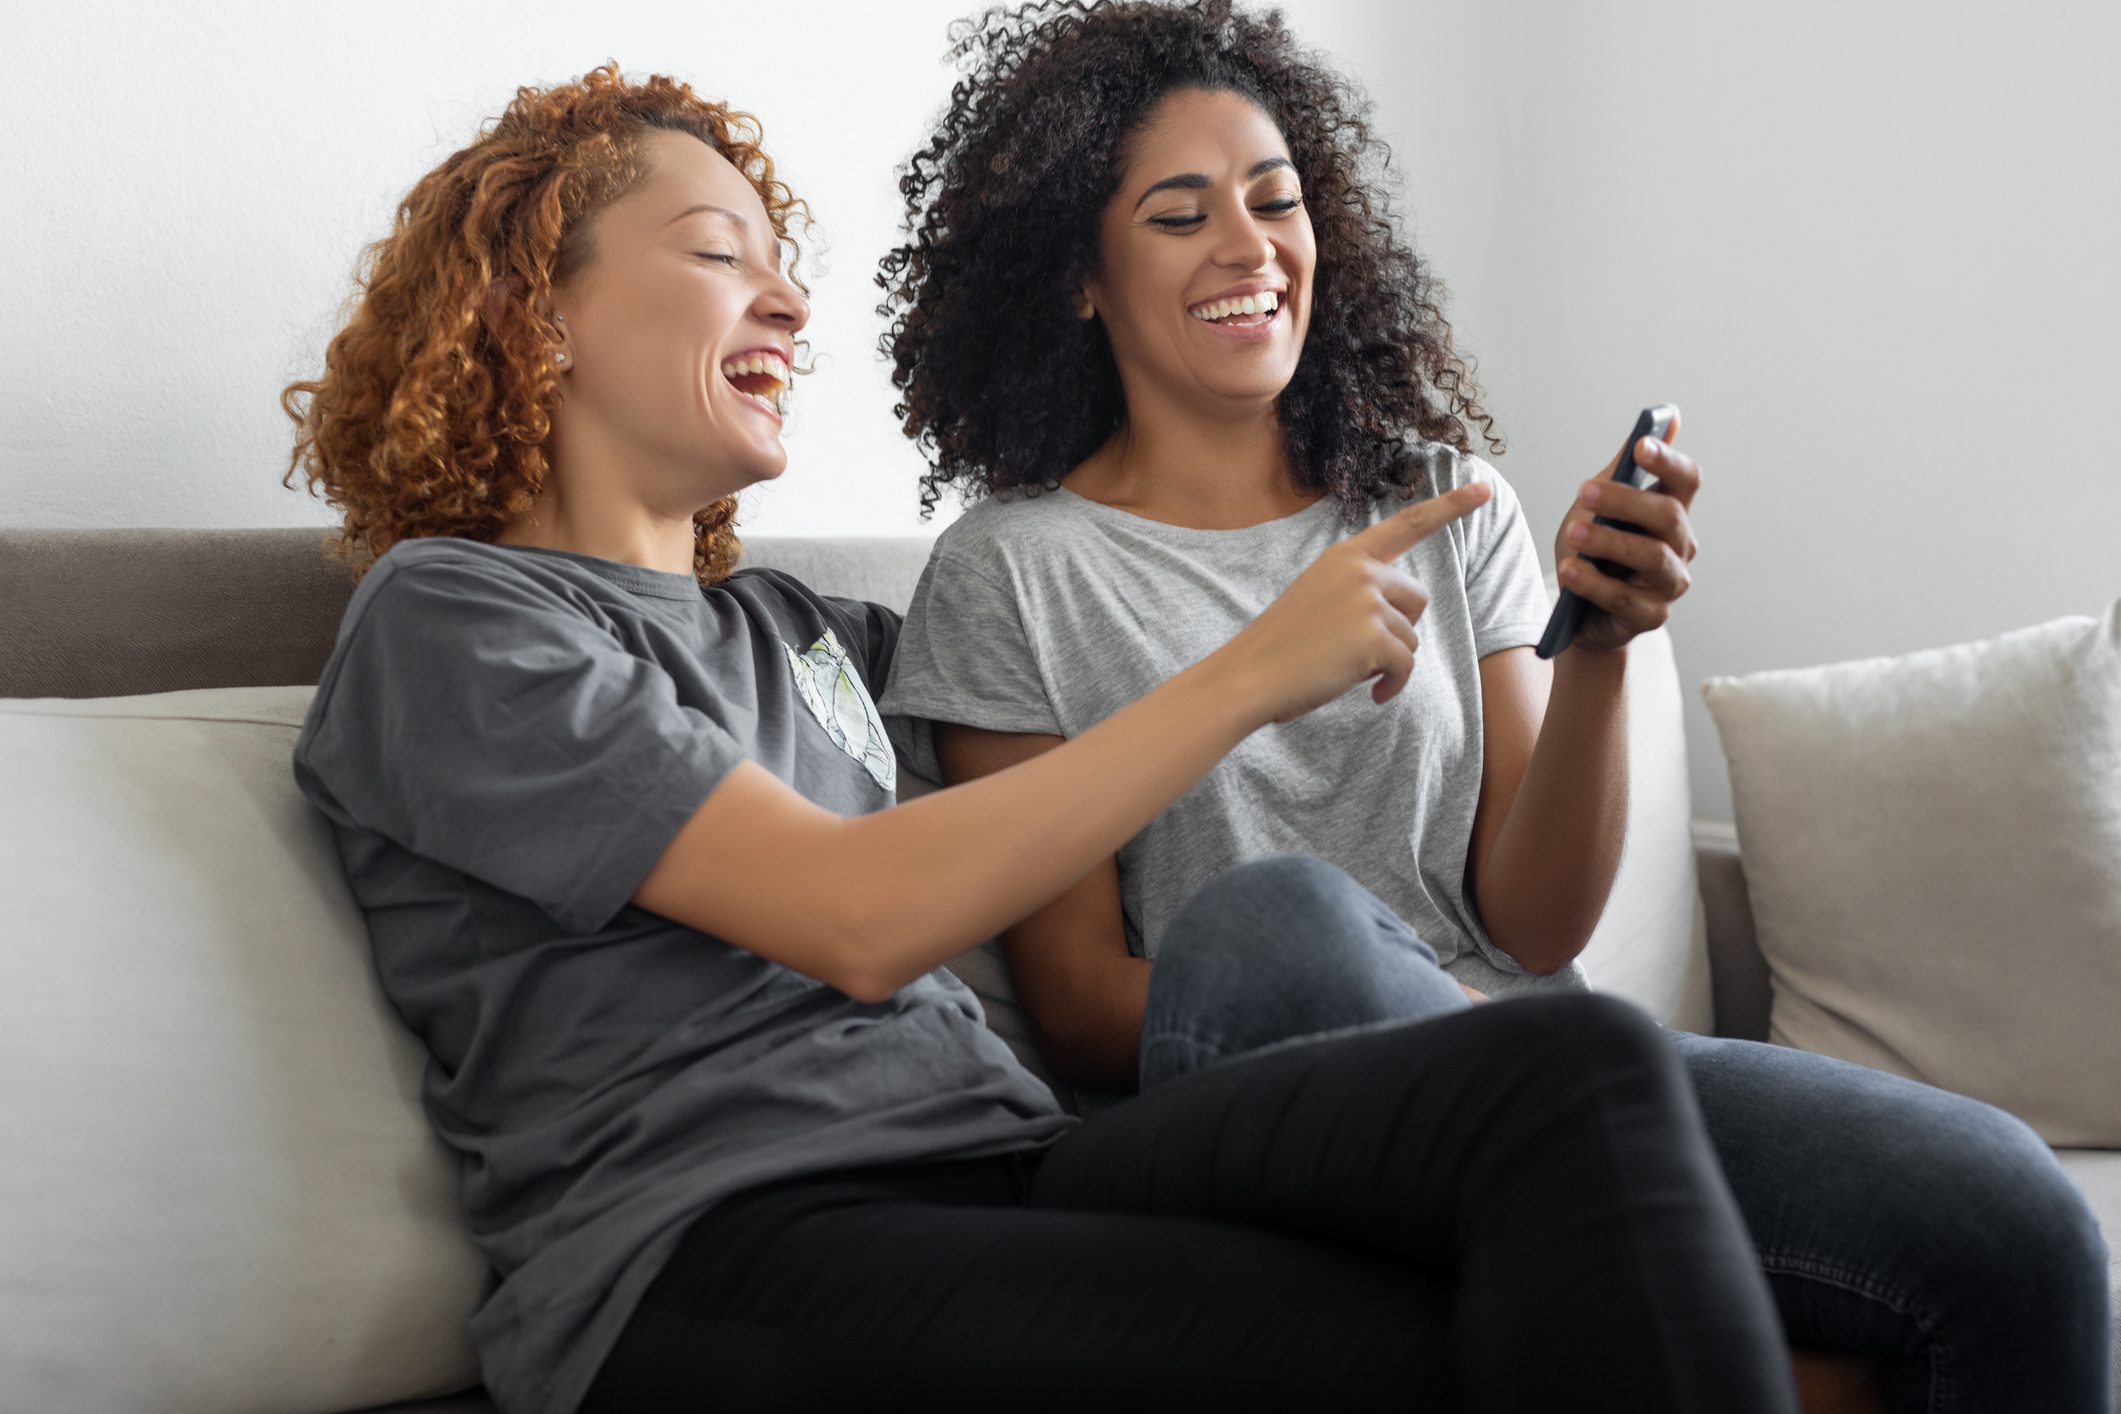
{"points": [[437, 397]]}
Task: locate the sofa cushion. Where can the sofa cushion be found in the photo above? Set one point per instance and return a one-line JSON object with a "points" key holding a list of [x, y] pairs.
{"points": [[217, 1189], [1933, 848]]}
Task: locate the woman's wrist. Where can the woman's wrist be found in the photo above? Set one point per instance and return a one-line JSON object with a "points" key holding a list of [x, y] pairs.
{"points": [[1229, 690], [1594, 671]]}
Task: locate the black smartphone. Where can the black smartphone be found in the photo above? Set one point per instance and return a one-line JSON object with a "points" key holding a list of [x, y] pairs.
{"points": [[1570, 608]]}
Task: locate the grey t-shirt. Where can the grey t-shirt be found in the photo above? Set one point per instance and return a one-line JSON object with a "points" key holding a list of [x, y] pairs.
{"points": [[1047, 613], [505, 741]]}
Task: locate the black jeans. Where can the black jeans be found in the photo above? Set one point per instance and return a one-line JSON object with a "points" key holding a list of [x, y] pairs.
{"points": [[1513, 1209], [1926, 1231]]}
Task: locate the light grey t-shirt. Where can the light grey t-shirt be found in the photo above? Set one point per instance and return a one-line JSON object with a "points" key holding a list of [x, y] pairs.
{"points": [[505, 741], [1048, 613]]}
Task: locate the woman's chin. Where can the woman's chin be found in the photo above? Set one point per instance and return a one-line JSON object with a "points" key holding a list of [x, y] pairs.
{"points": [[1249, 392], [757, 463], [1252, 380], [733, 472]]}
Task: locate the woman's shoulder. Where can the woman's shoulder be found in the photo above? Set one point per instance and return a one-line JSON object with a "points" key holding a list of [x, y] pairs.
{"points": [[1437, 467], [414, 571], [440, 593], [998, 532], [1434, 468], [413, 566]]}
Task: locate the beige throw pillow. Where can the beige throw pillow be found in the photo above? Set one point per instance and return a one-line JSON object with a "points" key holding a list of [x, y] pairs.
{"points": [[1933, 847], [218, 1194]]}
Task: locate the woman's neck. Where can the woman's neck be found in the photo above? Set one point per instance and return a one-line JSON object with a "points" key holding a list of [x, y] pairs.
{"points": [[589, 507], [628, 534], [1204, 472]]}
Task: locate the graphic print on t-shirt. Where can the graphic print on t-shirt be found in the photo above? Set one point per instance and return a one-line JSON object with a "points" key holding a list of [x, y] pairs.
{"points": [[833, 691]]}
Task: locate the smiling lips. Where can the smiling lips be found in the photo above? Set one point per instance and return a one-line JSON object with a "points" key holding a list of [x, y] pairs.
{"points": [[1239, 311], [761, 376]]}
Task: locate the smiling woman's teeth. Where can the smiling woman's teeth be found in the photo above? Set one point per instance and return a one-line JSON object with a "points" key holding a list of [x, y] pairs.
{"points": [[760, 375], [1236, 310]]}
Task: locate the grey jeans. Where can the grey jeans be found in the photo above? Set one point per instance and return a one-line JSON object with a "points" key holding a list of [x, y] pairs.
{"points": [[1892, 1219]]}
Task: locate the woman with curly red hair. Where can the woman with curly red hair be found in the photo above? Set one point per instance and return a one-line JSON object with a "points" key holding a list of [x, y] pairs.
{"points": [[731, 1136], [1156, 316]]}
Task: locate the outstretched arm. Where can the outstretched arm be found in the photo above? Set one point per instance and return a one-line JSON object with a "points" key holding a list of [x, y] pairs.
{"points": [[868, 904]]}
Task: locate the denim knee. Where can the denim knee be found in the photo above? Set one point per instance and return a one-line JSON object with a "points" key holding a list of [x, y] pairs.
{"points": [[1280, 949], [1301, 947], [2028, 1237], [1253, 914], [2007, 1260]]}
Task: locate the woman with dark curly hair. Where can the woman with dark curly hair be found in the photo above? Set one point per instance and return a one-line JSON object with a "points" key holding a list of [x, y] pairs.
{"points": [[731, 1136], [1156, 321]]}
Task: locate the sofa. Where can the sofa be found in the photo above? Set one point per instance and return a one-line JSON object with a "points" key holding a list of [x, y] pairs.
{"points": [[216, 1188]]}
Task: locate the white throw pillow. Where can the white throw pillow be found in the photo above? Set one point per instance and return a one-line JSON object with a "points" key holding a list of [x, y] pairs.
{"points": [[1933, 848], [217, 1190]]}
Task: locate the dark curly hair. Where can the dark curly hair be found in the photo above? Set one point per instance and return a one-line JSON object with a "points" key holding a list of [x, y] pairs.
{"points": [[1005, 388]]}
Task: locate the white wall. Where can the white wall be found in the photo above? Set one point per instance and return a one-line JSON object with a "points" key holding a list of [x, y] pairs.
{"points": [[1870, 250], [199, 180], [1873, 251], [190, 186]]}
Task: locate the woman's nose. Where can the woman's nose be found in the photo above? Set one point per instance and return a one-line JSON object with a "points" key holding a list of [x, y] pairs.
{"points": [[1245, 246], [782, 303]]}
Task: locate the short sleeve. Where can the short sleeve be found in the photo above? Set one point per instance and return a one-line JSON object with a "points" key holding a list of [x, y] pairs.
{"points": [[489, 723], [963, 655], [1506, 595]]}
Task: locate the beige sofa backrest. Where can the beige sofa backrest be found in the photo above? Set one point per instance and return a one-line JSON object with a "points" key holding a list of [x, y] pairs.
{"points": [[112, 613]]}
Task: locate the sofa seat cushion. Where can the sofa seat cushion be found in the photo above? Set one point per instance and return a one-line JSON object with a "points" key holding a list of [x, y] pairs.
{"points": [[217, 1189]]}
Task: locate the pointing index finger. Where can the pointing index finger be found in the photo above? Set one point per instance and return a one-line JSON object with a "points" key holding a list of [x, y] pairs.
{"points": [[1403, 530]]}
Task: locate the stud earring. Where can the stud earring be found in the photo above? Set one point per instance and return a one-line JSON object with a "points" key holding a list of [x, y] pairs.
{"points": [[559, 358]]}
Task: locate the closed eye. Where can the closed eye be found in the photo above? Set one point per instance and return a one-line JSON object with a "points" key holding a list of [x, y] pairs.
{"points": [[722, 256], [1187, 223]]}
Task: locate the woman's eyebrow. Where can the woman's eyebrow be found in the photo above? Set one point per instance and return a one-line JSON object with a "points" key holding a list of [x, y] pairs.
{"points": [[1194, 181], [734, 218]]}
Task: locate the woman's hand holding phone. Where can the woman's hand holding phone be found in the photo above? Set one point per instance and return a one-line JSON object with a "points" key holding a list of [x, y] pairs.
{"points": [[1347, 618], [1627, 575]]}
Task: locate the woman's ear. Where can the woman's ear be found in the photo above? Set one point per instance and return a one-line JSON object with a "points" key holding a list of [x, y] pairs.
{"points": [[498, 311], [1084, 308]]}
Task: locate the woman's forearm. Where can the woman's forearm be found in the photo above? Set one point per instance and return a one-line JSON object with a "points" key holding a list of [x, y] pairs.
{"points": [[941, 873], [1544, 884], [870, 903]]}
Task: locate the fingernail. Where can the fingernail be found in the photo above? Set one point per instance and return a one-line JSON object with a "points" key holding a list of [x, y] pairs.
{"points": [[1577, 534], [1650, 450], [1569, 572], [1590, 495]]}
